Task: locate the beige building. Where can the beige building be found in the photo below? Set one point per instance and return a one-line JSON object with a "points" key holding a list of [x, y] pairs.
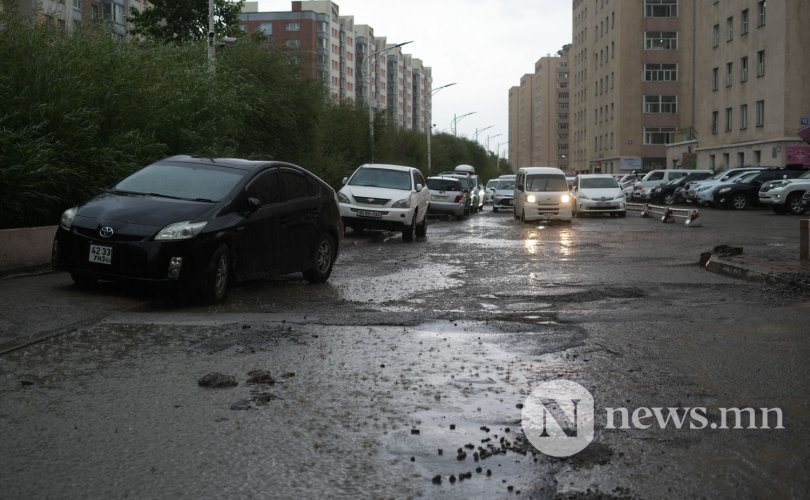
{"points": [[521, 123], [752, 74]]}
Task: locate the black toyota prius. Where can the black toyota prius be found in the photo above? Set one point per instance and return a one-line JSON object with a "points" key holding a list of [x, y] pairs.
{"points": [[202, 224]]}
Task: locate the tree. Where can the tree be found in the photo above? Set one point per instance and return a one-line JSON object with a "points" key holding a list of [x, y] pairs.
{"points": [[177, 21]]}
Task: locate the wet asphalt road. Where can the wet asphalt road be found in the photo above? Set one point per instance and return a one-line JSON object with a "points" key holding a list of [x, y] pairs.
{"points": [[412, 362]]}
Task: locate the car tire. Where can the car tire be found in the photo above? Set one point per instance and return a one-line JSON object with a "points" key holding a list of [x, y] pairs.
{"points": [[421, 229], [669, 199], [623, 213], [213, 285], [738, 202], [409, 231], [494, 209], [84, 280], [793, 204], [323, 260]]}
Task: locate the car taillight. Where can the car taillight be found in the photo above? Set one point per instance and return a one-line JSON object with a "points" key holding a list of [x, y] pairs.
{"points": [[459, 198]]}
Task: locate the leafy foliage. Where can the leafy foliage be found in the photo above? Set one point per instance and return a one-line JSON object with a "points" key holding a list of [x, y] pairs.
{"points": [[178, 21]]}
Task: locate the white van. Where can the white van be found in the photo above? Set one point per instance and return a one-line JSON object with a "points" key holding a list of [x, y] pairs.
{"points": [[541, 193]]}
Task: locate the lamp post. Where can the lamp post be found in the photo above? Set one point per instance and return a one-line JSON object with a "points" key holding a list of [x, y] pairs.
{"points": [[498, 160], [211, 34], [456, 119], [371, 103], [491, 137], [430, 124], [479, 130]]}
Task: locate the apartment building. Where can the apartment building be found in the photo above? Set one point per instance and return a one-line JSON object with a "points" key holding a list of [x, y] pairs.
{"points": [[355, 65], [72, 15], [751, 83]]}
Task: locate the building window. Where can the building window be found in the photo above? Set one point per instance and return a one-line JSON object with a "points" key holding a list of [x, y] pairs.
{"points": [[740, 159], [660, 104], [654, 72], [660, 40], [743, 116], [729, 74], [715, 78], [761, 63], [728, 119], [266, 29], [760, 113], [744, 69], [661, 8], [729, 29], [293, 44], [761, 13], [714, 122], [715, 35], [712, 162], [658, 135], [744, 22], [757, 157], [293, 27]]}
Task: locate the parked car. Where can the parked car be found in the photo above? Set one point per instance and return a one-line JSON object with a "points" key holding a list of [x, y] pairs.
{"points": [[470, 183], [785, 195], [201, 224], [725, 176], [745, 191], [489, 190], [447, 196], [386, 197], [672, 192], [643, 188], [504, 193], [541, 193], [598, 193]]}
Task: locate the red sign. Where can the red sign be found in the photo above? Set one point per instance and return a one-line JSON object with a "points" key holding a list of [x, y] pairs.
{"points": [[798, 155]]}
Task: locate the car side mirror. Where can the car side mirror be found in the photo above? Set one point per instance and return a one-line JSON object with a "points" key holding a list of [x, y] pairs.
{"points": [[345, 180], [253, 204], [419, 188]]}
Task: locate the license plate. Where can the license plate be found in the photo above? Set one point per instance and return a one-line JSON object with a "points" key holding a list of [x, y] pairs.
{"points": [[439, 198], [601, 203], [367, 213], [100, 254]]}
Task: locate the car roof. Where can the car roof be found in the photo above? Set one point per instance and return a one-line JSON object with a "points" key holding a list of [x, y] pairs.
{"points": [[386, 166], [445, 177], [238, 163], [595, 175], [542, 170]]}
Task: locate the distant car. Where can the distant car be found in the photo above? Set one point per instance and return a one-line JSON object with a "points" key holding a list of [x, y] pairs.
{"points": [[504, 194], [490, 190], [470, 183], [785, 196], [671, 192], [386, 197], [201, 224], [598, 193], [643, 188], [725, 176], [744, 192], [447, 196]]}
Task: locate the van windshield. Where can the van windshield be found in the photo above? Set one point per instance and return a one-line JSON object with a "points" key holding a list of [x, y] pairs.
{"points": [[546, 182]]}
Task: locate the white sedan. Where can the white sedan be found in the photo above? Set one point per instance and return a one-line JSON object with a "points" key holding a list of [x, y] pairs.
{"points": [[598, 193]]}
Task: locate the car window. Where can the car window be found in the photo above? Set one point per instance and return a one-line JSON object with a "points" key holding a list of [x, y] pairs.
{"points": [[293, 184], [266, 188], [382, 178], [546, 182], [182, 180], [654, 176], [597, 182], [443, 185], [505, 185]]}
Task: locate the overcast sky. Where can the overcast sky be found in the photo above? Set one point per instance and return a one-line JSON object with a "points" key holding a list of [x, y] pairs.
{"points": [[485, 46]]}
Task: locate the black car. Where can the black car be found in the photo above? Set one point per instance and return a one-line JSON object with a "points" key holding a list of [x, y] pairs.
{"points": [[669, 193], [202, 223], [745, 192]]}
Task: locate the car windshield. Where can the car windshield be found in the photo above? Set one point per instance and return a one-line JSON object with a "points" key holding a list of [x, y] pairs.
{"points": [[382, 178], [443, 185], [510, 184], [182, 180], [805, 175], [546, 182], [492, 183], [748, 177], [597, 182]]}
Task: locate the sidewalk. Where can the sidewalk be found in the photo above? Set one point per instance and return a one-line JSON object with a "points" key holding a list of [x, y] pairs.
{"points": [[761, 270]]}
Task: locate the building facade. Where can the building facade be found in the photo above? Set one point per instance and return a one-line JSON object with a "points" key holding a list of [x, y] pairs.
{"points": [[72, 15], [355, 65]]}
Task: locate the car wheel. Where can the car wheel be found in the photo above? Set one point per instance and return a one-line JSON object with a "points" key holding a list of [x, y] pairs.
{"points": [[213, 285], [523, 217], [739, 201], [669, 199], [323, 259], [83, 280], [421, 229], [409, 231], [495, 209], [623, 213], [794, 204]]}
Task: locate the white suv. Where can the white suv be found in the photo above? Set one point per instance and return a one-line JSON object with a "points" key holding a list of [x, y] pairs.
{"points": [[385, 197], [785, 196], [643, 188]]}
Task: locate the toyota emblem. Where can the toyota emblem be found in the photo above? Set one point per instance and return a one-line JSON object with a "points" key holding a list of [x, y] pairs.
{"points": [[106, 232]]}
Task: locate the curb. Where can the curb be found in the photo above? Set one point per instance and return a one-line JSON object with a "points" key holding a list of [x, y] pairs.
{"points": [[745, 272]]}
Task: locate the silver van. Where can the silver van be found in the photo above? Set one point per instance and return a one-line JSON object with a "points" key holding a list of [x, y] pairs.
{"points": [[541, 193]]}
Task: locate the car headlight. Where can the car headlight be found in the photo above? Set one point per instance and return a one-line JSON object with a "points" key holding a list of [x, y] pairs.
{"points": [[180, 230], [342, 198], [530, 198], [403, 203], [66, 221], [724, 191], [565, 198]]}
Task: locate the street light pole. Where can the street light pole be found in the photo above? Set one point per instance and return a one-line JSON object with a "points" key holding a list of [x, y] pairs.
{"points": [[478, 131], [456, 119], [211, 35], [498, 160], [371, 103], [430, 125], [491, 137]]}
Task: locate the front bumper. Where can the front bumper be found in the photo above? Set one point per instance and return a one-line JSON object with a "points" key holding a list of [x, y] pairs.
{"points": [[373, 217], [503, 202], [536, 211], [596, 206]]}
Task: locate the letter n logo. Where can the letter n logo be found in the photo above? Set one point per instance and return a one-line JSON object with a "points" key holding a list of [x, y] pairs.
{"points": [[558, 418]]}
